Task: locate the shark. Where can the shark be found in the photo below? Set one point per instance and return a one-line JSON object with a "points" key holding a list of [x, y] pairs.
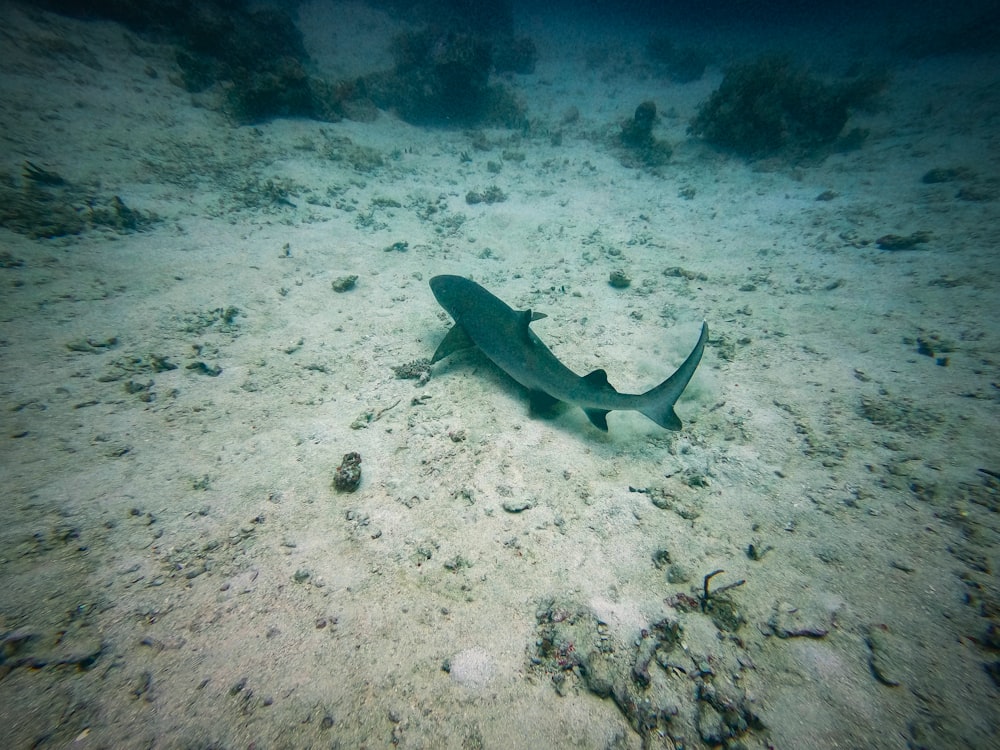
{"points": [[504, 335]]}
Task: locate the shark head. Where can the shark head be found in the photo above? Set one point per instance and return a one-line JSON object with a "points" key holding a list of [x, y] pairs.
{"points": [[455, 294]]}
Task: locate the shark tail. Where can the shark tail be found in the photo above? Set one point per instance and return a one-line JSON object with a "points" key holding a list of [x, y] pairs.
{"points": [[658, 403]]}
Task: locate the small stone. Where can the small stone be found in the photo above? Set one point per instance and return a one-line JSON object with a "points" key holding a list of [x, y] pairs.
{"points": [[904, 242], [344, 283], [516, 506], [619, 279]]}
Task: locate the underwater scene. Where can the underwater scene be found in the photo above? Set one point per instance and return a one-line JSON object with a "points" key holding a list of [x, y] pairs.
{"points": [[486, 374]]}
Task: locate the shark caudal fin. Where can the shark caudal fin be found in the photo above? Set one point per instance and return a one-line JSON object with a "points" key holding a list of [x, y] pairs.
{"points": [[659, 401]]}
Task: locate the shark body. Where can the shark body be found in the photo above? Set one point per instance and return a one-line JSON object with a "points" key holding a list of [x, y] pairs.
{"points": [[504, 335]]}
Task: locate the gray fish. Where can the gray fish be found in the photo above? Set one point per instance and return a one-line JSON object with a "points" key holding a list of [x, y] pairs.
{"points": [[505, 336]]}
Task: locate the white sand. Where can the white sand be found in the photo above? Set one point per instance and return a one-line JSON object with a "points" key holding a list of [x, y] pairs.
{"points": [[194, 542]]}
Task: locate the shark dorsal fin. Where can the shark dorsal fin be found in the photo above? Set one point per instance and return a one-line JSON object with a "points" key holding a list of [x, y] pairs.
{"points": [[455, 340], [598, 379], [530, 316], [526, 316]]}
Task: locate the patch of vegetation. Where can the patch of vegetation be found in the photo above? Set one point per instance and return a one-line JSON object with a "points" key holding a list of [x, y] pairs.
{"points": [[362, 159], [221, 319], [417, 369], [130, 365], [255, 193], [899, 414], [282, 90], [44, 205], [490, 195], [443, 77], [435, 210], [255, 54], [769, 106]]}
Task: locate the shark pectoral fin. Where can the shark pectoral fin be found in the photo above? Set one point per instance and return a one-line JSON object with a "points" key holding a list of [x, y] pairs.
{"points": [[537, 315], [455, 340], [541, 402], [598, 418], [598, 379]]}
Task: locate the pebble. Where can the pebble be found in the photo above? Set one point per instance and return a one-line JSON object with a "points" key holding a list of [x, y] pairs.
{"points": [[516, 506]]}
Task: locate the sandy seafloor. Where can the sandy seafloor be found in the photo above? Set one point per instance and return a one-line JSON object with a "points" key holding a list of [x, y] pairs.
{"points": [[176, 569]]}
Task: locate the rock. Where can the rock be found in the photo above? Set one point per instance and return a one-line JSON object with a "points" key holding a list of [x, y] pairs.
{"points": [[887, 653], [619, 279], [347, 477]]}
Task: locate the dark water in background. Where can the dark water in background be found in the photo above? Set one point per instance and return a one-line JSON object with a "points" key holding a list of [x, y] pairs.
{"points": [[917, 28], [913, 29], [765, 11]]}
